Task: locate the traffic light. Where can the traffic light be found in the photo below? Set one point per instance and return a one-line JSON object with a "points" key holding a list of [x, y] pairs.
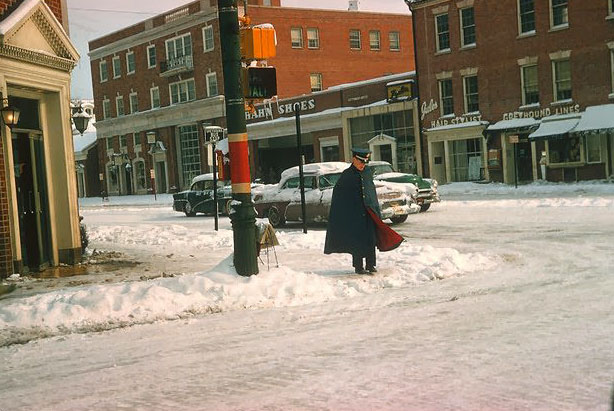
{"points": [[259, 82], [258, 42]]}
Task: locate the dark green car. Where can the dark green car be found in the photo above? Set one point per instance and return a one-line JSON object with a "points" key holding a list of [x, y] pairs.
{"points": [[199, 198], [427, 188]]}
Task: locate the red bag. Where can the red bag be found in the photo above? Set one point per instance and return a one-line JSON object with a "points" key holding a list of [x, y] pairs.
{"points": [[387, 238]]}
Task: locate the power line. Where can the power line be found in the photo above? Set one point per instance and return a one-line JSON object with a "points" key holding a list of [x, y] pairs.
{"points": [[116, 11]]}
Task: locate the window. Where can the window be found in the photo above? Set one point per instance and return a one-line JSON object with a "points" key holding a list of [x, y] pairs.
{"points": [[136, 139], [109, 143], [558, 13], [154, 93], [313, 38], [530, 87], [374, 40], [526, 16], [316, 81], [593, 148], [151, 56], [470, 84], [134, 103], [208, 38], [130, 63], [467, 27], [212, 85], [182, 91], [445, 96], [562, 80], [179, 47], [442, 32], [123, 141], [567, 150], [296, 37], [189, 147], [141, 180], [612, 66], [395, 40], [611, 7], [104, 73], [466, 159], [106, 108], [355, 39], [119, 105], [117, 67]]}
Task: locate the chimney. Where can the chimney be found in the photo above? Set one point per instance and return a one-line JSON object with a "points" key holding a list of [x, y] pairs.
{"points": [[353, 6]]}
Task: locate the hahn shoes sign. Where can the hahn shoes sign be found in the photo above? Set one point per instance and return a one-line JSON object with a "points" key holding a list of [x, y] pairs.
{"points": [[267, 111]]}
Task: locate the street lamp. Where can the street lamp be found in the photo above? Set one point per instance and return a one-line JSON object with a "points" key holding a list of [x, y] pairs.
{"points": [[10, 114], [212, 136], [81, 119], [151, 140]]}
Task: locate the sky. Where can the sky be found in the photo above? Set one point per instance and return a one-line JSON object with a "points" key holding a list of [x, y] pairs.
{"points": [[89, 20]]}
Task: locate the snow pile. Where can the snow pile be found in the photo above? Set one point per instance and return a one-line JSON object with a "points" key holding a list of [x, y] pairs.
{"points": [[105, 307]]}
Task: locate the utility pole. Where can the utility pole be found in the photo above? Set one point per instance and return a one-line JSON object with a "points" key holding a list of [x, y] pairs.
{"points": [[243, 217]]}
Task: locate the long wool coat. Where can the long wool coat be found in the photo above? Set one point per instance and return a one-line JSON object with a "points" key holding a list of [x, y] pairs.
{"points": [[350, 229]]}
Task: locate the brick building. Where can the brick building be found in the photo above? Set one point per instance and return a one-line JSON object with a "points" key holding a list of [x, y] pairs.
{"points": [[507, 86], [164, 76], [39, 222]]}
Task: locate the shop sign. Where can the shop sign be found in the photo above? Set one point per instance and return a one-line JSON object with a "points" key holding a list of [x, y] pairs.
{"points": [[428, 108], [266, 111], [456, 120], [543, 112], [513, 139]]}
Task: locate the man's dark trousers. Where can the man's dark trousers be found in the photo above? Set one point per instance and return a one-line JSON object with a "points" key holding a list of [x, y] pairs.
{"points": [[357, 260]]}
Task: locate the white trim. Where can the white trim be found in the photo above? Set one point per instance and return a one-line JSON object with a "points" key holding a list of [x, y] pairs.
{"points": [[319, 78], [522, 85], [151, 100], [150, 47], [465, 96], [441, 105], [209, 76], [379, 40], [462, 29], [522, 34], [178, 84], [113, 60], [128, 54], [612, 68], [317, 38], [359, 39], [554, 81], [132, 110], [438, 48], [298, 30], [172, 39], [104, 113], [117, 99], [398, 39], [610, 9], [551, 13], [205, 28], [106, 71]]}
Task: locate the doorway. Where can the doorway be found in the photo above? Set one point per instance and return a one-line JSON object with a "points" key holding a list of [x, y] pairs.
{"points": [[525, 162], [32, 200], [161, 177]]}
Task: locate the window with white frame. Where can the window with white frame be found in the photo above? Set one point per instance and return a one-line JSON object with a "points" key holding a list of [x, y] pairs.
{"points": [[151, 56], [104, 72], [296, 37], [141, 179], [130, 63], [119, 105], [559, 17], [109, 143], [442, 32], [106, 108], [182, 91], [154, 93], [611, 8], [212, 89], [208, 38], [189, 149], [355, 39], [467, 18], [526, 16], [374, 40], [136, 139], [593, 148], [123, 141], [117, 67], [561, 70], [470, 86], [179, 47], [134, 103], [446, 98], [530, 84], [313, 38], [394, 37], [316, 81]]}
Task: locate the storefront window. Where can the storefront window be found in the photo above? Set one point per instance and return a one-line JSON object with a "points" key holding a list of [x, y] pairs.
{"points": [[190, 153], [466, 159], [593, 148], [566, 150]]}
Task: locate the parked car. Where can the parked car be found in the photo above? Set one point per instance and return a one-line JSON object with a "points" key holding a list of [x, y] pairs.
{"points": [[199, 198], [427, 188], [282, 202]]}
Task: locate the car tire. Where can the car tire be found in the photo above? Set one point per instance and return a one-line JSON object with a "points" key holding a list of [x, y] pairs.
{"points": [[398, 219], [228, 207], [424, 207], [276, 219], [187, 209]]}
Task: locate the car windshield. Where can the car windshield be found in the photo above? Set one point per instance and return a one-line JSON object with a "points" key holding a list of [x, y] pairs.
{"points": [[308, 181], [206, 185], [329, 180], [381, 169]]}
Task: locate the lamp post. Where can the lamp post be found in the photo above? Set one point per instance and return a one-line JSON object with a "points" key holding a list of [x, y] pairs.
{"points": [[212, 136], [81, 119], [10, 114], [151, 140]]}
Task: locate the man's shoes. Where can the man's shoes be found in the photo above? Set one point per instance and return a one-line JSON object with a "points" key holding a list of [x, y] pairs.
{"points": [[372, 269], [360, 270]]}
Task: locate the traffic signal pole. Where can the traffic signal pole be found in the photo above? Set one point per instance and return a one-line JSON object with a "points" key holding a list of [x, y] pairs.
{"points": [[243, 217]]}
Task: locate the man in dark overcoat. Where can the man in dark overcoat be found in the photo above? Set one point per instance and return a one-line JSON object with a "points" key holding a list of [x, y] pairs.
{"points": [[350, 228]]}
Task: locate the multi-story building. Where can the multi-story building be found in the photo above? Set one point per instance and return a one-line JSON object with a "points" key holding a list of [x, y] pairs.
{"points": [[508, 86], [163, 76], [39, 221]]}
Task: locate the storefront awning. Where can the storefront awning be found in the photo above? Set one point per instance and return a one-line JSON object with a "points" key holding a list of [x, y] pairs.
{"points": [[555, 126], [596, 119], [514, 124]]}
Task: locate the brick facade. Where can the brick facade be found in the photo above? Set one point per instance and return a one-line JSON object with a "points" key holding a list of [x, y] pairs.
{"points": [[501, 49], [54, 5], [6, 257]]}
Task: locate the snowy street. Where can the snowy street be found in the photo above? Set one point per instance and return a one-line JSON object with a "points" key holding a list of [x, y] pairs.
{"points": [[500, 298]]}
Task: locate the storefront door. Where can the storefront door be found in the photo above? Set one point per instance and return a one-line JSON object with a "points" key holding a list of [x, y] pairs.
{"points": [[524, 159], [32, 200]]}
